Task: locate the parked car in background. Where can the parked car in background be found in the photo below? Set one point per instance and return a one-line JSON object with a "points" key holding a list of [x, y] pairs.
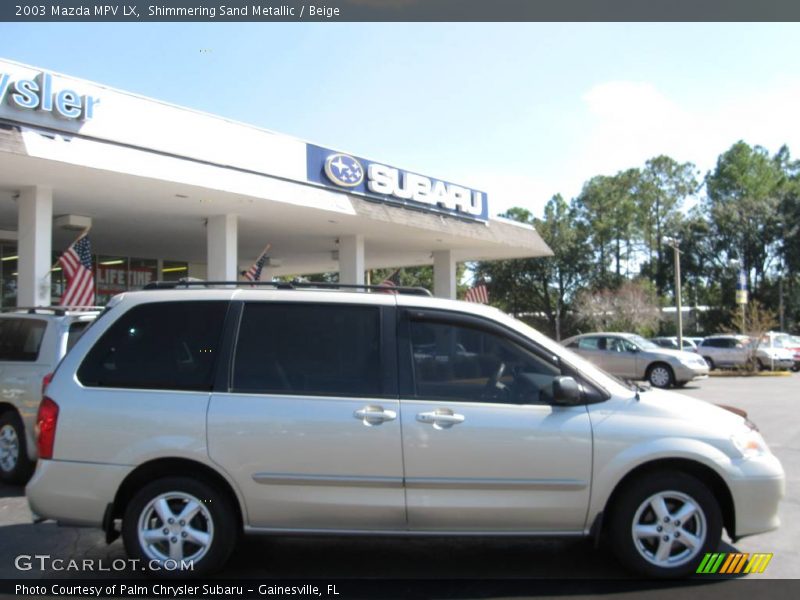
{"points": [[32, 342], [792, 342], [776, 351], [189, 416], [631, 356], [672, 343], [738, 351], [726, 351]]}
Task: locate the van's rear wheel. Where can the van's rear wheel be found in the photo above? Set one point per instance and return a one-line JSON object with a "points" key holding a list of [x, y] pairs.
{"points": [[664, 523], [180, 527], [15, 466]]}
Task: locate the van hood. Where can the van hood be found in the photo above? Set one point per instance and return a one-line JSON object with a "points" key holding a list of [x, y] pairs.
{"points": [[672, 405]]}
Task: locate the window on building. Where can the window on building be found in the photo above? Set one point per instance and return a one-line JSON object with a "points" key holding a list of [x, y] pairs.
{"points": [[110, 277], [173, 270], [8, 274]]}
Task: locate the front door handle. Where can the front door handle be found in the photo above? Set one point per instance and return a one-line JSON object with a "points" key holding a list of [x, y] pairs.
{"points": [[441, 418], [374, 415]]}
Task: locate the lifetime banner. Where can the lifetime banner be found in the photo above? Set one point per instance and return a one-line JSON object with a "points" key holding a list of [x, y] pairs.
{"points": [[398, 10]]}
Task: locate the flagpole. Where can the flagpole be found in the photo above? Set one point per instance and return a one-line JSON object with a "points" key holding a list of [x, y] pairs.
{"points": [[77, 239]]}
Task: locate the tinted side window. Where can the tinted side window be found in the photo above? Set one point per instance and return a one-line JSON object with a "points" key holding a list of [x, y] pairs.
{"points": [[461, 363], [21, 339], [332, 350], [164, 345]]}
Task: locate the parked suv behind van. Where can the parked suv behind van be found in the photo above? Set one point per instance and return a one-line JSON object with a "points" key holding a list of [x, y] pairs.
{"points": [[32, 342], [211, 412]]}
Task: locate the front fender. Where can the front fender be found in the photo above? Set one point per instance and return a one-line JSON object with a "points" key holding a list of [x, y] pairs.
{"points": [[611, 465]]}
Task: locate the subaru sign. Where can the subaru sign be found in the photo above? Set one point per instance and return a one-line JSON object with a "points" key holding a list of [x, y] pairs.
{"points": [[395, 186]]}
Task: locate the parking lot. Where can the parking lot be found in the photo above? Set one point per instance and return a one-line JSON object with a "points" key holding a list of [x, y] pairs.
{"points": [[770, 401]]}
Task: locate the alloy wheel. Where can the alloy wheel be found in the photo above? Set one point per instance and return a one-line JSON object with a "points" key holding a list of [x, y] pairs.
{"points": [[669, 529], [177, 526], [9, 448]]}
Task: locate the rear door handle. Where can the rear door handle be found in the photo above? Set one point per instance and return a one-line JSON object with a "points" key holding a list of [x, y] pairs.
{"points": [[374, 415], [440, 418]]}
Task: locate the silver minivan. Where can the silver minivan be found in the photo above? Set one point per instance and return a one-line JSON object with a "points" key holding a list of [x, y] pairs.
{"points": [[184, 417]]}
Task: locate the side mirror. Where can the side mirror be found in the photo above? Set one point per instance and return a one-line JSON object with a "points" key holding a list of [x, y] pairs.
{"points": [[634, 350], [566, 391]]}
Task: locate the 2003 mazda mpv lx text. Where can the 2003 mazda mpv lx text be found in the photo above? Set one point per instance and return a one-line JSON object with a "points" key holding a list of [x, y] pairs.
{"points": [[184, 417]]}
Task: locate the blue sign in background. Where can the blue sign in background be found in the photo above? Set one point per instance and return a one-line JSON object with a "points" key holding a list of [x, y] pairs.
{"points": [[315, 165]]}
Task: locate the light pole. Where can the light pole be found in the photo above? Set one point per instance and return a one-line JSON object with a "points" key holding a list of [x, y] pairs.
{"points": [[678, 308], [741, 290]]}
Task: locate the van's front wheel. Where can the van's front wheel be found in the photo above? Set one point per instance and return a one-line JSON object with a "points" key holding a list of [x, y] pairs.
{"points": [[179, 527], [664, 523]]}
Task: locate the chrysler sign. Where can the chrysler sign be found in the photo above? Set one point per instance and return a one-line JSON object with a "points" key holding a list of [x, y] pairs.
{"points": [[392, 185]]}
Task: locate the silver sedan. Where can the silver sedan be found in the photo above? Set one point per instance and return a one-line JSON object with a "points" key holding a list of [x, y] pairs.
{"points": [[630, 356]]}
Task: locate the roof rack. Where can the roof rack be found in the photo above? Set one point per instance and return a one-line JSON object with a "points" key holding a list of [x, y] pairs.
{"points": [[59, 311], [288, 285]]}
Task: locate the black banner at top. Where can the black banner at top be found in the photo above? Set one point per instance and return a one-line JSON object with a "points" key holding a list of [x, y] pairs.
{"points": [[396, 10]]}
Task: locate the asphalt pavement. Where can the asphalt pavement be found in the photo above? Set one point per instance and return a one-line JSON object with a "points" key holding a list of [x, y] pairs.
{"points": [[771, 402]]}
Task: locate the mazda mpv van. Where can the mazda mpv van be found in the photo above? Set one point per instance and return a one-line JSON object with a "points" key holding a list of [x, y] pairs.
{"points": [[185, 417]]}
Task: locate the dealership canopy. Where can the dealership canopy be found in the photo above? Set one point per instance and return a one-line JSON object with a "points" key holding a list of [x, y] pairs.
{"points": [[168, 184]]}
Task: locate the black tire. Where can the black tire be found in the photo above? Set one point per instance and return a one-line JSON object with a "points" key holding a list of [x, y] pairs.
{"points": [[632, 505], [14, 470], [710, 363], [660, 375], [216, 509]]}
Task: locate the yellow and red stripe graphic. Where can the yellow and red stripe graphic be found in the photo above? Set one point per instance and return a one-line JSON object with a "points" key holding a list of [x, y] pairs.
{"points": [[732, 563]]}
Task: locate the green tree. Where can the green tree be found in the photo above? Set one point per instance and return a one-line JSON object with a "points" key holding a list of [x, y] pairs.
{"points": [[663, 185], [543, 285], [742, 205], [607, 209]]}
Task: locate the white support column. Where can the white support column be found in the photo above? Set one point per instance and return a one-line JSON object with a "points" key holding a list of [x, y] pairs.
{"points": [[351, 259], [35, 228], [222, 234], [444, 274]]}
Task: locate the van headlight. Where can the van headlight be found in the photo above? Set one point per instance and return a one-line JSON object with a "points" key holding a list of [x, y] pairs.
{"points": [[749, 444]]}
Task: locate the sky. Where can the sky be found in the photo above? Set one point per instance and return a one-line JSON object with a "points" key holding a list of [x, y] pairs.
{"points": [[521, 111]]}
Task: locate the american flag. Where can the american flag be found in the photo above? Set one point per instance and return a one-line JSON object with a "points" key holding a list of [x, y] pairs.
{"points": [[391, 281], [254, 272], [77, 264], [478, 293]]}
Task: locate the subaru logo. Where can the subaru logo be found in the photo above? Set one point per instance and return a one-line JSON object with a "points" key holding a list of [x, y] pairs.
{"points": [[344, 170]]}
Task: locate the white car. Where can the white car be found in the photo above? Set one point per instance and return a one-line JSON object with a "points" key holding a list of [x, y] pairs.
{"points": [[736, 351], [32, 341], [184, 417]]}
